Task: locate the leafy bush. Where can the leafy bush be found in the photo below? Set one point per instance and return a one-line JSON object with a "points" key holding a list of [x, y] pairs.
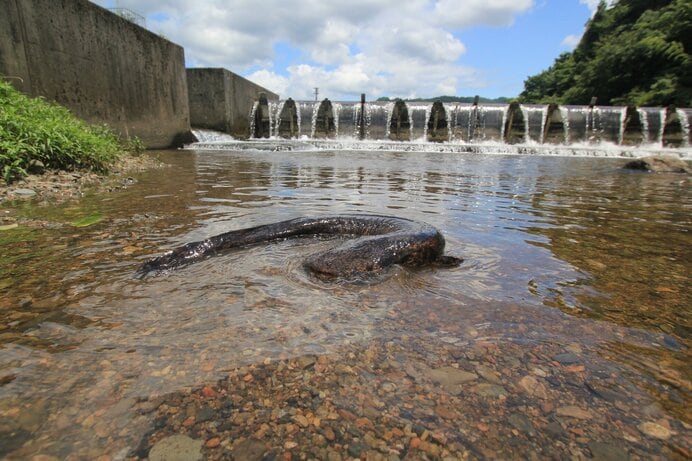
{"points": [[32, 129]]}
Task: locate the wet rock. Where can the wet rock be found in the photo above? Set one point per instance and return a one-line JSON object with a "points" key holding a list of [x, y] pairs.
{"points": [[567, 358], [451, 378], [249, 449], [12, 440], [603, 392], [213, 442], [521, 423], [356, 448], [176, 448], [490, 390], [573, 411], [24, 193], [204, 414], [601, 451], [301, 420], [655, 430], [488, 374], [659, 164], [533, 387], [306, 361], [554, 429]]}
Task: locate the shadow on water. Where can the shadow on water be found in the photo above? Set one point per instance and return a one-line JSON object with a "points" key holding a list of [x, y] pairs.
{"points": [[574, 278]]}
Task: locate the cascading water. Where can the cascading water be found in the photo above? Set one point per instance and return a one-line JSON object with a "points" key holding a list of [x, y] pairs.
{"points": [[336, 110], [664, 118], [621, 134], [504, 122], [278, 107], [570, 127], [313, 123], [389, 111], [419, 115], [564, 115], [253, 117], [299, 120], [644, 119], [685, 125], [535, 118]]}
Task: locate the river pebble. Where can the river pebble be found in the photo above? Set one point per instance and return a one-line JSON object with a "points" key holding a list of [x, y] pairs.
{"points": [[393, 400]]}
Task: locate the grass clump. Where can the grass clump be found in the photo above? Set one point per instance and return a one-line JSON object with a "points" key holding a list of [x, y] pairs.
{"points": [[32, 129]]}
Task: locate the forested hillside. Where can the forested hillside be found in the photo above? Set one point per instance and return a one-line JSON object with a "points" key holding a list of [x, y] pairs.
{"points": [[635, 52]]}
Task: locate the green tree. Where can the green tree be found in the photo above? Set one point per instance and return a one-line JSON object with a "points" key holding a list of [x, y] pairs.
{"points": [[636, 52]]}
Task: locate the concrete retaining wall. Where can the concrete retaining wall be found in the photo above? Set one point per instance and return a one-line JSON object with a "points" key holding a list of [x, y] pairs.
{"points": [[221, 100], [104, 68]]}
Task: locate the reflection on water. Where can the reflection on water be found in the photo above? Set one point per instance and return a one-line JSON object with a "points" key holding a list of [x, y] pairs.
{"points": [[563, 251]]}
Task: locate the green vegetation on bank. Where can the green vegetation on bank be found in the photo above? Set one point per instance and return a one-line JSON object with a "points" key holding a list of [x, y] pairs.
{"points": [[635, 52], [33, 130]]}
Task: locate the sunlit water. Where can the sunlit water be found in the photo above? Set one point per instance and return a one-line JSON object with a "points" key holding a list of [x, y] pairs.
{"points": [[572, 251]]}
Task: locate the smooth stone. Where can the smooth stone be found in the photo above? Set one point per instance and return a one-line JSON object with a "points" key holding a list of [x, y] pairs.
{"points": [[521, 423], [491, 390], [567, 358], [249, 449], [659, 164], [573, 411], [533, 387], [451, 375], [205, 413], [554, 429], [603, 392], [655, 430], [356, 448], [24, 192], [607, 451], [176, 448], [488, 374]]}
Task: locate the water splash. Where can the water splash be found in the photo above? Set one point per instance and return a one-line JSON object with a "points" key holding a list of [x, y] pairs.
{"points": [[685, 125]]}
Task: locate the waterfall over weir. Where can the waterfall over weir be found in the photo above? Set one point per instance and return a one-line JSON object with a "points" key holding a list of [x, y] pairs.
{"points": [[450, 122], [459, 127]]}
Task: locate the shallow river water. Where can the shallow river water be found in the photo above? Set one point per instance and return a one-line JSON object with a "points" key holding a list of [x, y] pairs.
{"points": [[564, 334]]}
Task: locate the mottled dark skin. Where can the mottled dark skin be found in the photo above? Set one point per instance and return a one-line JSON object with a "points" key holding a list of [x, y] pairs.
{"points": [[379, 242]]}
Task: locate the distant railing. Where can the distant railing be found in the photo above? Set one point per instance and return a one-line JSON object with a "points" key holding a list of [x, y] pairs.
{"points": [[130, 15]]}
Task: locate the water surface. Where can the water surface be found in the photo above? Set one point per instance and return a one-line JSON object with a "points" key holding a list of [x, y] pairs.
{"points": [[568, 253]]}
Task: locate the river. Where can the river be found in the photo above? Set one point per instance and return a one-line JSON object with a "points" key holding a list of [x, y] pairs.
{"points": [[565, 332]]}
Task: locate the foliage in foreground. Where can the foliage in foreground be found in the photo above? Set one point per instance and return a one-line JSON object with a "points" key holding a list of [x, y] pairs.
{"points": [[32, 129], [636, 52]]}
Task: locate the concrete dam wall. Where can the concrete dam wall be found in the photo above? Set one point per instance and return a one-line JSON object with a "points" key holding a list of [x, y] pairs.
{"points": [[105, 69], [221, 100]]}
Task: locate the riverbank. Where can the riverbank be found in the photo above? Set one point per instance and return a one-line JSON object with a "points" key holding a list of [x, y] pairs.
{"points": [[56, 186]]}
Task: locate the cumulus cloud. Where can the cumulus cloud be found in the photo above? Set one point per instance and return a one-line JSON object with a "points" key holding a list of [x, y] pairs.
{"points": [[475, 12], [571, 41], [593, 4], [379, 47]]}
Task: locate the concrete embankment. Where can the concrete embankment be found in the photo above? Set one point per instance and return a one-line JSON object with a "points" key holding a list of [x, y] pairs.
{"points": [[104, 68], [221, 100]]}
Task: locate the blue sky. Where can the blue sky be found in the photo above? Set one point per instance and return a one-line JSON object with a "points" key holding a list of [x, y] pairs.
{"points": [[403, 48]]}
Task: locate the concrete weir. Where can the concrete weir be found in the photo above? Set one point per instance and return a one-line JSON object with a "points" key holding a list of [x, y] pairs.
{"points": [[437, 122], [104, 68]]}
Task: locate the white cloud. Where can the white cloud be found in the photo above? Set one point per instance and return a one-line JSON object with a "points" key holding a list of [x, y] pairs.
{"points": [[475, 12], [404, 48], [593, 4], [571, 41]]}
